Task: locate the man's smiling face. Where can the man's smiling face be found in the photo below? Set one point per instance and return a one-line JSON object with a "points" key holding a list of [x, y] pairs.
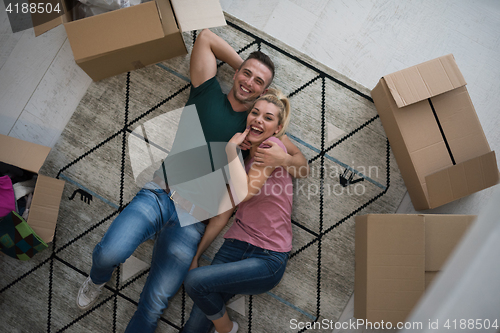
{"points": [[250, 81]]}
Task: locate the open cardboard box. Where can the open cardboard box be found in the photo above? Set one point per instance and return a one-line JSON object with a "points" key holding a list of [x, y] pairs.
{"points": [[131, 38], [44, 208], [397, 256], [434, 132]]}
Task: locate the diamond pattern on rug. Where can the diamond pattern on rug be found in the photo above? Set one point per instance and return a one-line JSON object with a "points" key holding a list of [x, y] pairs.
{"points": [[95, 163]]}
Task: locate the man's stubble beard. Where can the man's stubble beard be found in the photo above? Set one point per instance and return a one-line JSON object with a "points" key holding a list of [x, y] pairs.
{"points": [[245, 101]]}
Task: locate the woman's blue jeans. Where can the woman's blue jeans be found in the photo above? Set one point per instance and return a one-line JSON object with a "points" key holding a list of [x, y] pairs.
{"points": [[238, 268], [150, 213]]}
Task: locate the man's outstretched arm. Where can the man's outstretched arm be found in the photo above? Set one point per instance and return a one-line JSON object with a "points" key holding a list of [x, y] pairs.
{"points": [[206, 50]]}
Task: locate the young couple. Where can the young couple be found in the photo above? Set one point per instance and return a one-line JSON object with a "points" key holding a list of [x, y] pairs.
{"points": [[253, 257]]}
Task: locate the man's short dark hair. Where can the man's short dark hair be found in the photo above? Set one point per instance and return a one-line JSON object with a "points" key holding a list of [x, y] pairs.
{"points": [[264, 59]]}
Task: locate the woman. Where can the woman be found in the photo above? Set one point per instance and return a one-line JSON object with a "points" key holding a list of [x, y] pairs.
{"points": [[253, 258]]}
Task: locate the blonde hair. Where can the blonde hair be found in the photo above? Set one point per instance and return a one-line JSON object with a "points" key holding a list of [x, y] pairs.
{"points": [[276, 97]]}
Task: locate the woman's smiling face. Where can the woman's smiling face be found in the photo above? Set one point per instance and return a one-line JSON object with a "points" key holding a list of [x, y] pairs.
{"points": [[263, 120]]}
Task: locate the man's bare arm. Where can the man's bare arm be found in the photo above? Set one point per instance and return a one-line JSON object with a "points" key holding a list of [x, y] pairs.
{"points": [[207, 48], [294, 162]]}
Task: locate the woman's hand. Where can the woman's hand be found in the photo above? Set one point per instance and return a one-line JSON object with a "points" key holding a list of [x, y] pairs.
{"points": [[238, 138]]}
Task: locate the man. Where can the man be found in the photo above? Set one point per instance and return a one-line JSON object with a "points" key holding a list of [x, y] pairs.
{"points": [[152, 212]]}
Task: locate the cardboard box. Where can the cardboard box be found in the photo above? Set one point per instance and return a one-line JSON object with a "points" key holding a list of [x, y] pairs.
{"points": [[130, 38], [44, 208], [397, 256], [434, 132]]}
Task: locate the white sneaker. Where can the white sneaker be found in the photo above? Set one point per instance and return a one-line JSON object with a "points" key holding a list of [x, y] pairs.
{"points": [[88, 294], [234, 330]]}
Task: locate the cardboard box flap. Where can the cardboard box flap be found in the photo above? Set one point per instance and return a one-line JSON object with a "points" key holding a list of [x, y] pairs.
{"points": [[442, 234], [46, 26], [425, 80], [198, 14], [114, 30], [44, 209], [167, 17], [45, 21], [23, 154], [462, 179]]}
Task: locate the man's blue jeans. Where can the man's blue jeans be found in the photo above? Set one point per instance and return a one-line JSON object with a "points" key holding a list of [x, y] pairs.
{"points": [[238, 268], [150, 213]]}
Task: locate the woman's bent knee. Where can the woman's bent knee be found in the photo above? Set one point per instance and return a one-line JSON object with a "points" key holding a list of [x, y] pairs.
{"points": [[193, 282]]}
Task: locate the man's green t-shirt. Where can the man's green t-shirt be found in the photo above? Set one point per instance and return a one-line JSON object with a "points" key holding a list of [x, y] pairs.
{"points": [[196, 171], [217, 117], [219, 123]]}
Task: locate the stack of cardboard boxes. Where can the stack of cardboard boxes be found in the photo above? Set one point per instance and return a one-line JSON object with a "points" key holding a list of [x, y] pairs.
{"points": [[443, 155]]}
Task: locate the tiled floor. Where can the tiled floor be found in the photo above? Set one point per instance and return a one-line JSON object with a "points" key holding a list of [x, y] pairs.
{"points": [[40, 85]]}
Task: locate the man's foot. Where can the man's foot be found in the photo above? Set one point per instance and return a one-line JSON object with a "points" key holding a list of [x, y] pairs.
{"points": [[88, 294], [234, 330]]}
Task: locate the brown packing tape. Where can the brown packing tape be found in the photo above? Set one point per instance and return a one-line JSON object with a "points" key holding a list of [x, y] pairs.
{"points": [[137, 64]]}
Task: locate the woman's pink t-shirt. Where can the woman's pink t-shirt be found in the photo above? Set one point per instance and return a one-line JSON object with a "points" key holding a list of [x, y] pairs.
{"points": [[265, 219]]}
